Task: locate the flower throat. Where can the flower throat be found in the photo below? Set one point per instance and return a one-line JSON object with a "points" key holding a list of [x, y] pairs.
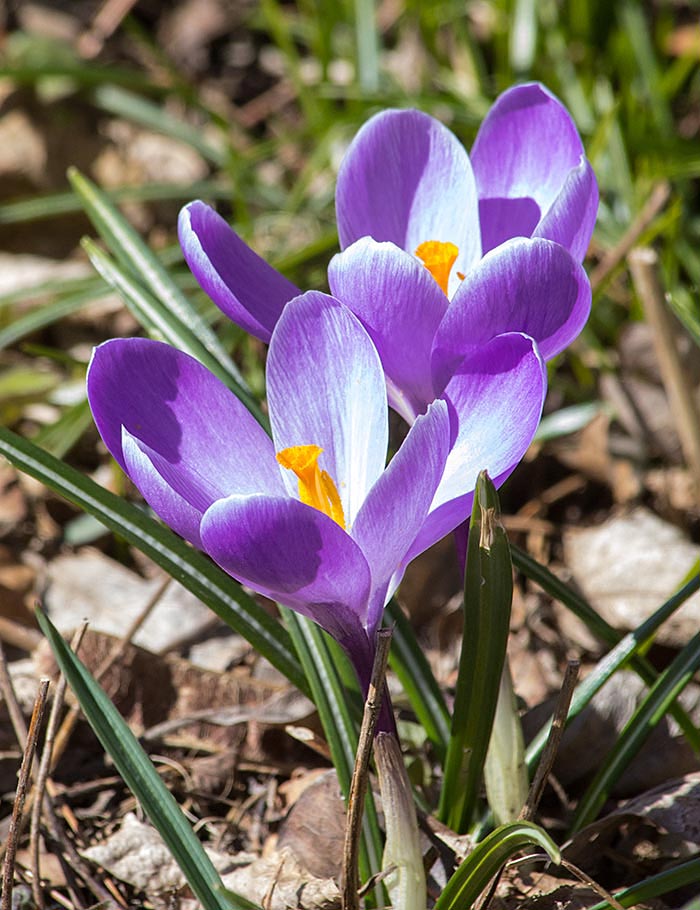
{"points": [[316, 487], [438, 258]]}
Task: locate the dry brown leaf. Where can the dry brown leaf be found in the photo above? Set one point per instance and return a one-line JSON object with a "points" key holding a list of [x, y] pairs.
{"points": [[315, 827], [629, 566]]}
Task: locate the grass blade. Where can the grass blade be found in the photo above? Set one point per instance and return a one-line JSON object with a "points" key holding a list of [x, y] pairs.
{"points": [[159, 321], [477, 870], [133, 254], [339, 710], [656, 703], [188, 566], [413, 670], [142, 779], [631, 644], [488, 592], [583, 610], [687, 873]]}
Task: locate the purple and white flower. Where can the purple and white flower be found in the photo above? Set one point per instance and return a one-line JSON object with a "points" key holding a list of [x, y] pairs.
{"points": [[311, 517]]}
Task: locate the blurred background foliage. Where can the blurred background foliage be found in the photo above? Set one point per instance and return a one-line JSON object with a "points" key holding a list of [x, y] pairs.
{"points": [[251, 105]]}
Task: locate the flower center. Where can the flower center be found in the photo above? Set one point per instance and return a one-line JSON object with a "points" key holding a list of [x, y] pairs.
{"points": [[438, 258], [316, 488]]}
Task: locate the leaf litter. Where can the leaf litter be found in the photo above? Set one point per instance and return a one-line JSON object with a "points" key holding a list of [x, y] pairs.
{"points": [[610, 507]]}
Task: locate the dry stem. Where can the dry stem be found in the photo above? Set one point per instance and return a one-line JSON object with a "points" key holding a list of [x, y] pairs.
{"points": [[358, 785]]}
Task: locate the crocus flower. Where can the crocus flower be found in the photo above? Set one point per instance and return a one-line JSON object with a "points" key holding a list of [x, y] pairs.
{"points": [[406, 179], [311, 517], [415, 217]]}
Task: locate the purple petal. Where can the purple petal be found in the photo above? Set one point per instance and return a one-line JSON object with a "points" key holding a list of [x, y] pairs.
{"points": [[571, 217], [400, 304], [248, 290], [194, 432], [406, 179], [294, 554], [159, 483], [531, 286], [398, 503], [325, 387], [522, 157], [495, 400]]}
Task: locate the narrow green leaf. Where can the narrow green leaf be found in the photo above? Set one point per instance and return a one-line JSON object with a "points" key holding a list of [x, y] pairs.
{"points": [[142, 778], [410, 664], [161, 322], [60, 437], [644, 892], [656, 703], [339, 710], [51, 205], [145, 267], [44, 315], [625, 647], [188, 566], [367, 45], [487, 858], [123, 103], [488, 592]]}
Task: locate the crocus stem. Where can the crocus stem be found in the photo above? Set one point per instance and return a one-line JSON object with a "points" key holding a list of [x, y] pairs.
{"points": [[402, 852], [377, 701]]}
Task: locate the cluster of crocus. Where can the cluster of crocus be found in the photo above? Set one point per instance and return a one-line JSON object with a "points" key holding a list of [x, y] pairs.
{"points": [[457, 279]]}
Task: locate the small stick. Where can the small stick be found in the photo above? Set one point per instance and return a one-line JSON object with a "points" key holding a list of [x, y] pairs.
{"points": [[104, 24], [544, 766], [8, 867], [609, 262], [644, 266], [350, 880], [13, 707], [550, 750], [19, 636], [43, 775]]}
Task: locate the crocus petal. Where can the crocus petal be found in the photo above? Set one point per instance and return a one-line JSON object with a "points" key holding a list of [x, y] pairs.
{"points": [[495, 400], [407, 179], [571, 217], [248, 290], [294, 554], [183, 513], [522, 156], [180, 411], [530, 286], [400, 304], [325, 387], [398, 503]]}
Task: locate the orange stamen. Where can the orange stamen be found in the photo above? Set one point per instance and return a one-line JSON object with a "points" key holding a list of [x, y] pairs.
{"points": [[316, 487], [438, 258]]}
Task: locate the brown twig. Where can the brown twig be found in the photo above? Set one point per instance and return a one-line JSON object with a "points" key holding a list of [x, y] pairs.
{"points": [[543, 768], [105, 23], [592, 883], [609, 262], [8, 867], [350, 880], [552, 746], [13, 707], [43, 775], [644, 267], [18, 635]]}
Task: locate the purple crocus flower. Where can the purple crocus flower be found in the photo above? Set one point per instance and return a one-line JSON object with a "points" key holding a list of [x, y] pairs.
{"points": [[406, 179], [310, 517]]}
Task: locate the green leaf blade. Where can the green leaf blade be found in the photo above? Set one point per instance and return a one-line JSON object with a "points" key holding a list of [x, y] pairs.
{"points": [[142, 779]]}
